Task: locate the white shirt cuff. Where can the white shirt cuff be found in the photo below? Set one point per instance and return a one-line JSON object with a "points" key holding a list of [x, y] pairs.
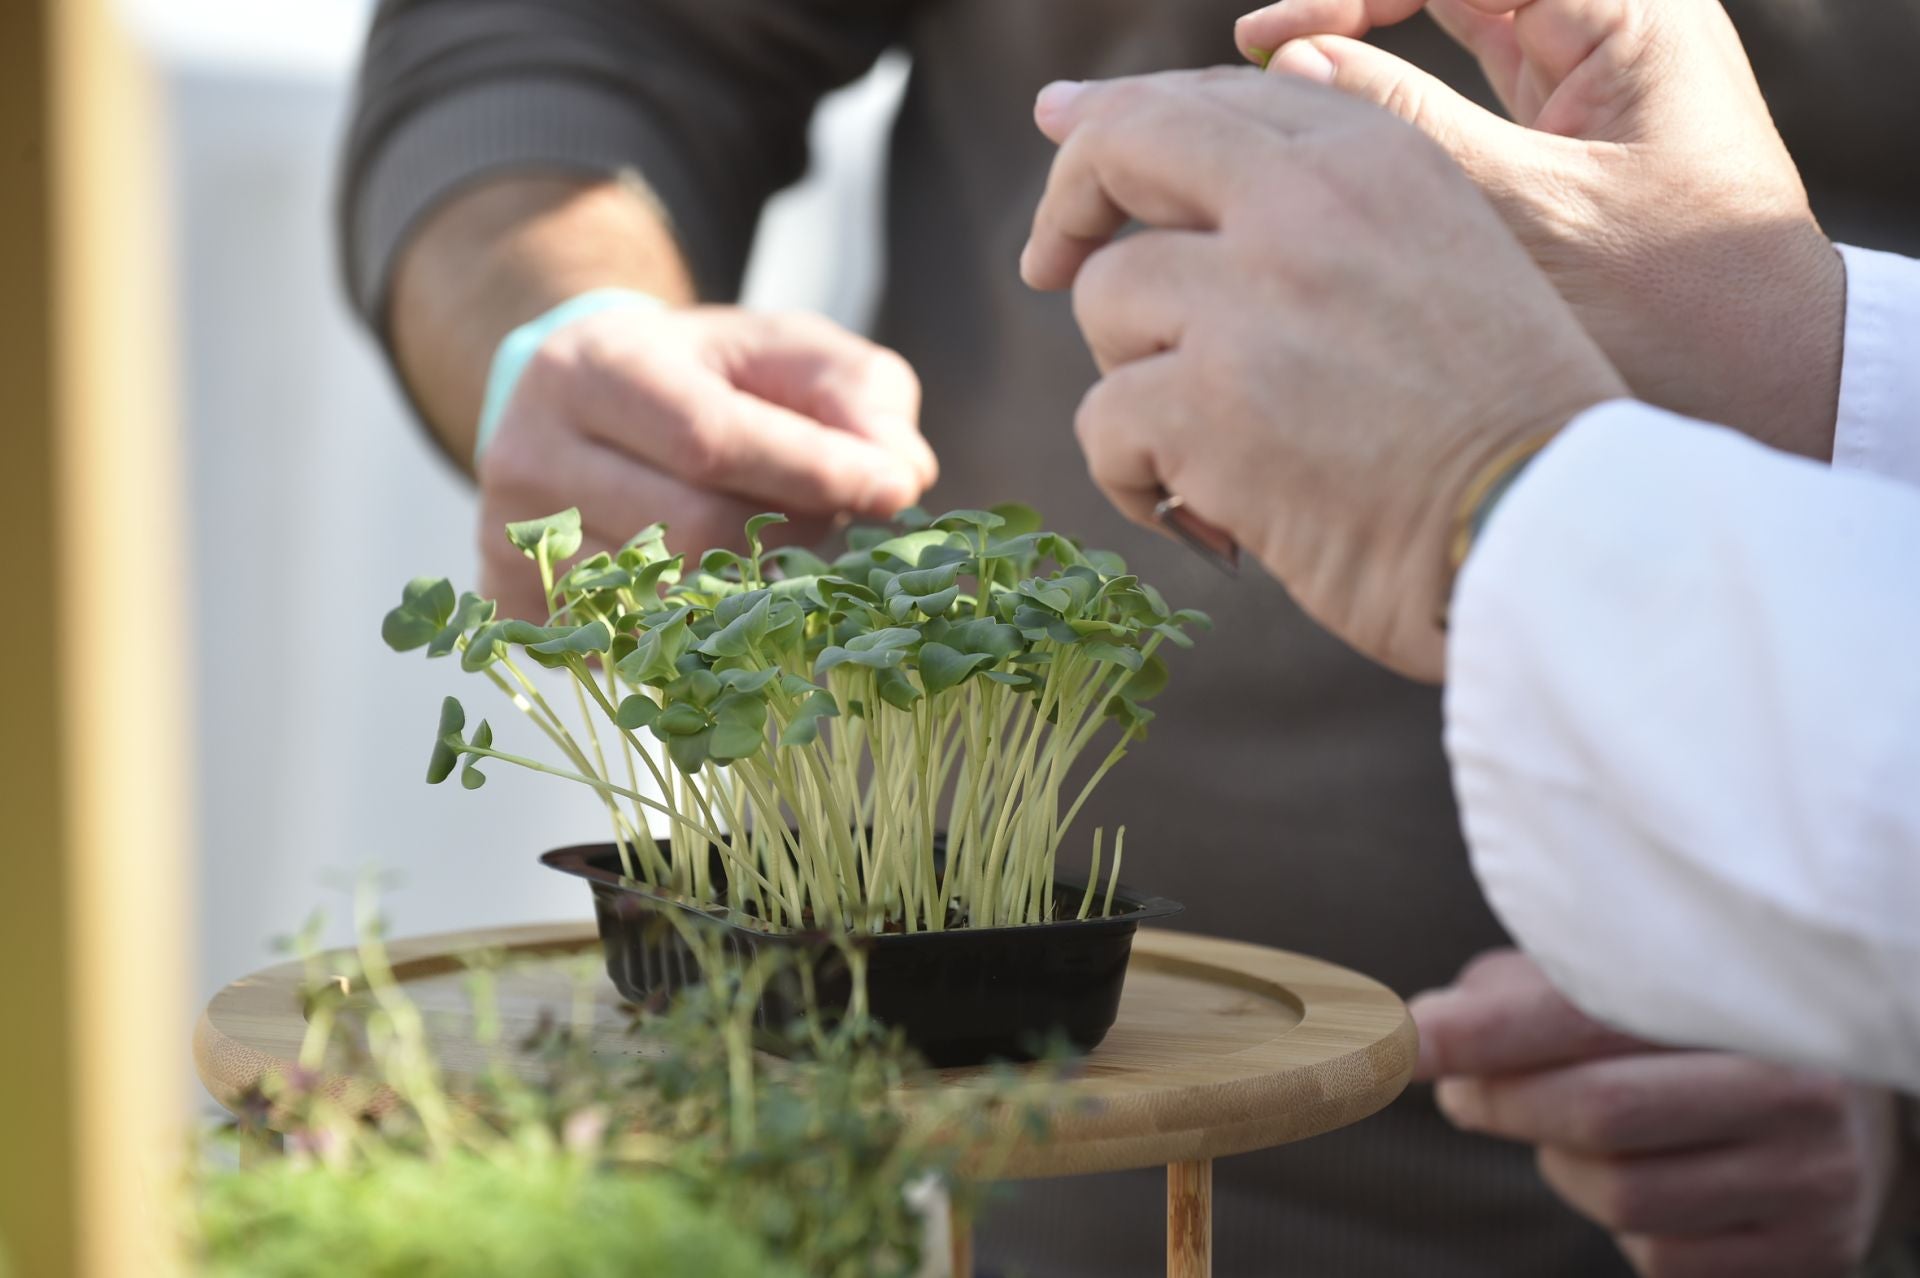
{"points": [[1683, 716], [1878, 429]]}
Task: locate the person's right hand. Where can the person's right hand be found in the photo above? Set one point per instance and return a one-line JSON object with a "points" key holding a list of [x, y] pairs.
{"points": [[1700, 1164], [1644, 175], [698, 418]]}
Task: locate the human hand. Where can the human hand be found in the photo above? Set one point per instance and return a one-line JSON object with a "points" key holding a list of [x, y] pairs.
{"points": [[698, 419], [1700, 1164], [1644, 175], [1330, 337]]}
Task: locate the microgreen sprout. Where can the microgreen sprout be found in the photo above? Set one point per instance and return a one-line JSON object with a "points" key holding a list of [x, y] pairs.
{"points": [[823, 722]]}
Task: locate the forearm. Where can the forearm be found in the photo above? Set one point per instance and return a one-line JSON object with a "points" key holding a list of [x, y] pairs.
{"points": [[496, 256]]}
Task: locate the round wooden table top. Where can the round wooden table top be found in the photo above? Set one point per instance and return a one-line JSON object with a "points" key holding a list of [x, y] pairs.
{"points": [[1221, 1047]]}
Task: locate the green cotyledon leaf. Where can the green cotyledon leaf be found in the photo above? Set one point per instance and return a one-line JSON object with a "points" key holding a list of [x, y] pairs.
{"points": [[757, 525], [679, 720], [741, 635], [471, 613], [835, 656], [446, 741], [733, 741], [425, 605], [1115, 653], [896, 689], [637, 711], [942, 667], [805, 725], [967, 521], [579, 641], [560, 533], [909, 549], [690, 753]]}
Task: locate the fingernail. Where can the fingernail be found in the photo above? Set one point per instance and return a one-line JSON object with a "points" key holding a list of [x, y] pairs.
{"points": [[1304, 59], [1058, 96]]}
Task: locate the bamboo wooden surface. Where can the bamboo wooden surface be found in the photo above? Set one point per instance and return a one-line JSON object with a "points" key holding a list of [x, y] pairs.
{"points": [[1190, 1220], [1221, 1047]]}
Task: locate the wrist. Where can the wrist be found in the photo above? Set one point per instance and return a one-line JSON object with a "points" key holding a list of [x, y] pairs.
{"points": [[1805, 360], [1476, 502], [1495, 472], [495, 257], [517, 349]]}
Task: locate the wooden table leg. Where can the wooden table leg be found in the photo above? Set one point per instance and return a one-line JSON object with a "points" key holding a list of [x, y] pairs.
{"points": [[960, 1238], [1190, 1219]]}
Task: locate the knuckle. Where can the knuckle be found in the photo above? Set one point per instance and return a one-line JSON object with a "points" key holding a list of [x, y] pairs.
{"points": [[882, 374], [1089, 138], [1096, 287], [1405, 97], [1092, 418], [886, 365]]}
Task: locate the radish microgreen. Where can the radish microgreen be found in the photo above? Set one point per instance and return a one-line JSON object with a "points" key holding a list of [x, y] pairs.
{"points": [[821, 722]]}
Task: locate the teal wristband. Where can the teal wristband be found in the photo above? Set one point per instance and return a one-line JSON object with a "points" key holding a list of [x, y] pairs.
{"points": [[518, 348]]}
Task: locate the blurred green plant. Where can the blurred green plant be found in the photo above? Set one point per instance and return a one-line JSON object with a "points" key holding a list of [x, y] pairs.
{"points": [[689, 1153], [825, 721], [518, 1213]]}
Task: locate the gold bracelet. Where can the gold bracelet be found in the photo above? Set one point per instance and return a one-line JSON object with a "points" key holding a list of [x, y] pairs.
{"points": [[1490, 482]]}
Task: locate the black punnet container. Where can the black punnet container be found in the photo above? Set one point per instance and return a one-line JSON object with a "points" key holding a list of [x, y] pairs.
{"points": [[961, 997]]}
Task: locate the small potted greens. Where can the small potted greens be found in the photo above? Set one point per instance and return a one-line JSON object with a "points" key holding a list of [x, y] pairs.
{"points": [[542, 1157], [883, 746]]}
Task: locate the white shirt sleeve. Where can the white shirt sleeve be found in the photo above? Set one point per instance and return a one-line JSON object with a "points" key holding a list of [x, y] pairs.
{"points": [[1683, 710], [1879, 424]]}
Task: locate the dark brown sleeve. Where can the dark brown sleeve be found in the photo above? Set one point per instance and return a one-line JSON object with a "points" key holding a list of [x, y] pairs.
{"points": [[707, 100]]}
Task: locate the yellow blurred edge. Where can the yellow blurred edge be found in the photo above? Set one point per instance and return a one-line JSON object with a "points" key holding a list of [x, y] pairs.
{"points": [[95, 776]]}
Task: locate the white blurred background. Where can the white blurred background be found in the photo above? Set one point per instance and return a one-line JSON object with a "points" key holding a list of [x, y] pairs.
{"points": [[314, 497]]}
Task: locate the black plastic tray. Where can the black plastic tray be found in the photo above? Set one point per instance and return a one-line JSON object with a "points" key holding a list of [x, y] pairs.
{"points": [[961, 997]]}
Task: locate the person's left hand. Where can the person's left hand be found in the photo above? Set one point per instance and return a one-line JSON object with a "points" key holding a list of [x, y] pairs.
{"points": [[1702, 1165], [1327, 335]]}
